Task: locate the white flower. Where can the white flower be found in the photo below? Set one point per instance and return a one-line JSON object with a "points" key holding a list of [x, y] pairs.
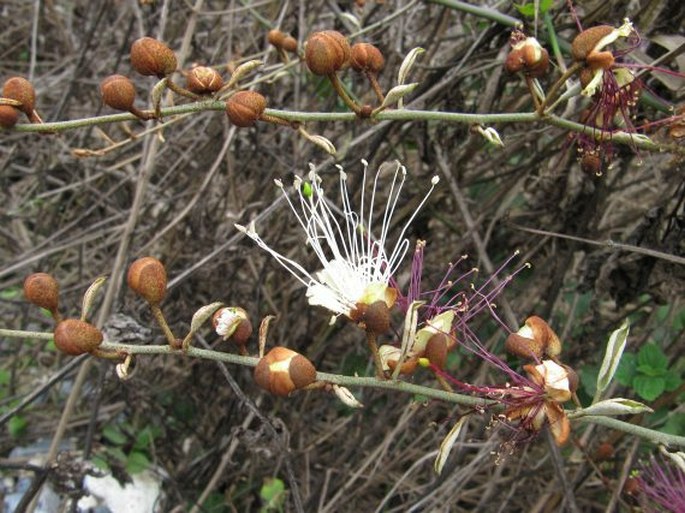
{"points": [[356, 258]]}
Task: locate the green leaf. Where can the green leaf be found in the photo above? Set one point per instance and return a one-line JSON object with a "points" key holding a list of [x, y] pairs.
{"points": [[673, 380], [272, 494], [651, 355], [627, 369], [529, 9], [651, 371], [4, 377], [136, 462], [114, 435], [16, 426], [117, 454], [675, 425], [100, 463], [143, 439], [649, 388]]}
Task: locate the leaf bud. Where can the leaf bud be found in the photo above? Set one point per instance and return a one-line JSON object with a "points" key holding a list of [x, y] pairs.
{"points": [[244, 108], [8, 116], [151, 57], [203, 80], [42, 290], [283, 370], [21, 90], [366, 57], [326, 52], [75, 337], [232, 322], [147, 277], [118, 92]]}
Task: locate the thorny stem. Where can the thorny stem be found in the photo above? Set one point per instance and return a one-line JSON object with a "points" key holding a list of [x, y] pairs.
{"points": [[365, 382], [619, 137]]}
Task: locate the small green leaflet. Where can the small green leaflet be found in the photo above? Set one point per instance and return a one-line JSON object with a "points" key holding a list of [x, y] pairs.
{"points": [[307, 190]]}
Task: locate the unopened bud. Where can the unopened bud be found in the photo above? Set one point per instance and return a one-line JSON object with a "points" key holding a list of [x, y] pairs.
{"points": [[289, 44], [283, 370], [374, 317], [147, 277], [366, 57], [437, 348], [244, 108], [204, 80], [529, 57], [42, 290], [118, 92], [21, 90], [75, 337], [326, 52], [276, 37], [8, 116], [587, 41], [151, 57]]}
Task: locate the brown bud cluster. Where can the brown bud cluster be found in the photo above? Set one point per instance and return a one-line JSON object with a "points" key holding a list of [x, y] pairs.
{"points": [[366, 57], [534, 340], [528, 57], [283, 370], [204, 80], [118, 92], [151, 57], [42, 290], [75, 337], [147, 277], [327, 52], [244, 108]]}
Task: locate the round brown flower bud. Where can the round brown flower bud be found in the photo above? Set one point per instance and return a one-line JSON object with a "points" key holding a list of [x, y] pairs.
{"points": [[245, 107], [605, 451], [74, 337], [585, 42], [21, 90], [118, 92], [591, 163], [42, 290], [289, 44], [204, 80], [8, 116], [366, 57], [326, 52], [147, 277], [275, 37], [152, 57], [283, 370]]}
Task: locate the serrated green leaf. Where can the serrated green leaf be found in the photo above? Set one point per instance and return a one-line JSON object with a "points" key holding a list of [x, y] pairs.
{"points": [[673, 380], [136, 462], [652, 356], [612, 357], [649, 388], [114, 435]]}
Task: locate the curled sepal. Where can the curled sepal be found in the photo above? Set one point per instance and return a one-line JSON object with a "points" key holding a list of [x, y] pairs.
{"points": [[90, 295], [202, 315], [612, 357], [126, 369], [263, 331], [614, 406], [407, 64], [408, 335], [156, 96], [323, 143], [346, 397], [396, 94], [441, 323], [241, 71], [448, 443]]}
